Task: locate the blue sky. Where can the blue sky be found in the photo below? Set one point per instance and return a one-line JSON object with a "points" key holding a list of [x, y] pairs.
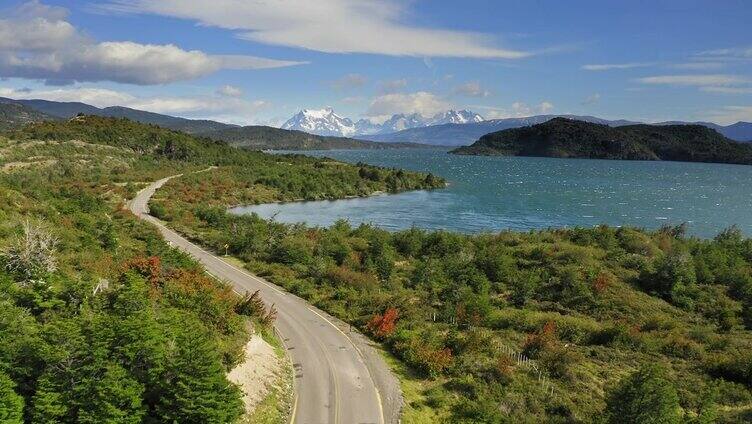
{"points": [[261, 61]]}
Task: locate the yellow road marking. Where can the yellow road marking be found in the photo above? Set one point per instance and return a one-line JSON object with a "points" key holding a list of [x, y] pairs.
{"points": [[362, 360]]}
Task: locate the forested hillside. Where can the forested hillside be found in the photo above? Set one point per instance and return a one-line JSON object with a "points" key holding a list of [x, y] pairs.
{"points": [[101, 321], [567, 138], [67, 110]]}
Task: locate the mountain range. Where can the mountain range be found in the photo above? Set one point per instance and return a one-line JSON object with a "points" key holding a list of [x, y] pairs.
{"points": [[67, 110], [466, 134], [16, 113], [329, 123], [13, 115], [451, 128]]}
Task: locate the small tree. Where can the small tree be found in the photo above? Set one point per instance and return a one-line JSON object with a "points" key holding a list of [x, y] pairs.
{"points": [[251, 305], [645, 397], [32, 254], [11, 404], [673, 272]]}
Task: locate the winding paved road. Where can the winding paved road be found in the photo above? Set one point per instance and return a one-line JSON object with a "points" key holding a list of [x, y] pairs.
{"points": [[339, 377]]}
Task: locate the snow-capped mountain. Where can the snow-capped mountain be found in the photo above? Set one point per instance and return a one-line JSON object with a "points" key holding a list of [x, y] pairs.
{"points": [[327, 122], [321, 122], [401, 122], [454, 117], [366, 127]]}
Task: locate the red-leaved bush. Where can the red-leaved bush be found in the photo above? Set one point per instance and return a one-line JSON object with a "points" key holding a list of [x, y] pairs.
{"points": [[149, 268], [382, 326]]}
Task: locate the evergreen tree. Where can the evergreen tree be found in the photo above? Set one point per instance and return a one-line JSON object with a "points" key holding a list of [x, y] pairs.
{"points": [[82, 383], [11, 404], [49, 404], [195, 388], [113, 397], [645, 397]]}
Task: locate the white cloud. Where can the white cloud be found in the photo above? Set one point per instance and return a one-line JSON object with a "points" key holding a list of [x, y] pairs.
{"points": [[730, 114], [349, 81], [518, 110], [197, 106], [717, 83], [36, 42], [332, 26], [612, 66], [222, 108], [99, 97], [738, 52], [695, 80], [421, 102], [472, 89], [727, 90], [592, 99], [35, 34], [229, 91]]}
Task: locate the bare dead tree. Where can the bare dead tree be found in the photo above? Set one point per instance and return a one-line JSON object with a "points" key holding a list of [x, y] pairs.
{"points": [[31, 254]]}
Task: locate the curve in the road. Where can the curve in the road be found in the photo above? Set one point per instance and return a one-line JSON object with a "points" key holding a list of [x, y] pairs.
{"points": [[339, 377]]}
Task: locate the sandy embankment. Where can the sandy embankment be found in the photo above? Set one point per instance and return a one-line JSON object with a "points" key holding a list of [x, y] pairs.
{"points": [[257, 373]]}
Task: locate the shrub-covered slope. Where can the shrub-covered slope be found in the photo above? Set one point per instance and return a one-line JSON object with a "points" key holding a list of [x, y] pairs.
{"points": [[100, 320], [598, 314]]}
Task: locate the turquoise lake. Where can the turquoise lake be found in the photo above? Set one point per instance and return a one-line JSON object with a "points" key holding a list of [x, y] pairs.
{"points": [[520, 193]]}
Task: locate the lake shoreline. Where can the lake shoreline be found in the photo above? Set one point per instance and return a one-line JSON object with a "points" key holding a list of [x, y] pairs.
{"points": [[491, 194]]}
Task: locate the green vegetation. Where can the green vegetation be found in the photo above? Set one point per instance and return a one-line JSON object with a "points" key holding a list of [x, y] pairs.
{"points": [[588, 307], [100, 320], [567, 138], [645, 397]]}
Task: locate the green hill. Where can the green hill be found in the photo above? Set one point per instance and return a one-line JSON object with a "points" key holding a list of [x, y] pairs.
{"points": [[566, 138], [270, 138], [67, 110]]}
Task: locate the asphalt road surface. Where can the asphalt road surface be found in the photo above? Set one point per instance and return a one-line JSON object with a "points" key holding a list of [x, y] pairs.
{"points": [[339, 377]]}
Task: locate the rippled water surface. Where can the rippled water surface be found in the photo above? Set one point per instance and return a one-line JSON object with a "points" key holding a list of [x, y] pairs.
{"points": [[492, 193]]}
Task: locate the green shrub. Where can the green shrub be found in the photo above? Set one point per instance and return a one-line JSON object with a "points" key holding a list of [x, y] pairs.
{"points": [[646, 396]]}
